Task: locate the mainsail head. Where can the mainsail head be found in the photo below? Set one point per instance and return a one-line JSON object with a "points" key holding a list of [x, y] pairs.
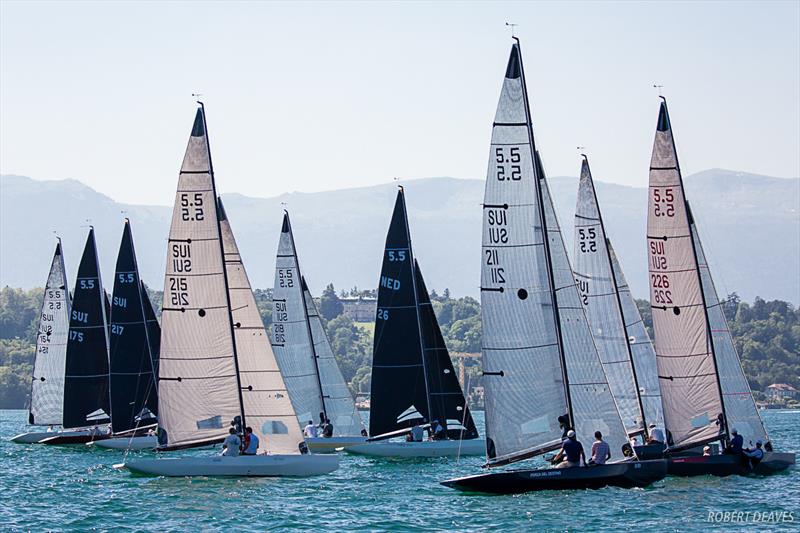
{"points": [[598, 290], [198, 389], [132, 380], [86, 373], [47, 384], [693, 410]]}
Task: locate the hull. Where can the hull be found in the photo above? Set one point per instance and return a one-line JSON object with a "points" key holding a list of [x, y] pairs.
{"points": [[728, 465], [624, 475], [435, 448], [240, 466], [333, 444], [65, 438], [127, 443], [33, 437]]}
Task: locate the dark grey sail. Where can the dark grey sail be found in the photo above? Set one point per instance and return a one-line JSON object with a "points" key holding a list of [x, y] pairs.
{"points": [[410, 366], [86, 400], [134, 400]]}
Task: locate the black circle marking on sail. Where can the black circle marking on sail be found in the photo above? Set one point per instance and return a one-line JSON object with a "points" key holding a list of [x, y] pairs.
{"points": [[522, 294], [201, 312]]}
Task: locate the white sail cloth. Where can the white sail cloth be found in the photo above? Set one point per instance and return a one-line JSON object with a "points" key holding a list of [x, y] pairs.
{"points": [[266, 403], [47, 385], [686, 367], [594, 277], [198, 387]]}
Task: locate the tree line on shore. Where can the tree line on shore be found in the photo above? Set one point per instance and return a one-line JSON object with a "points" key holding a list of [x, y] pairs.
{"points": [[766, 333]]}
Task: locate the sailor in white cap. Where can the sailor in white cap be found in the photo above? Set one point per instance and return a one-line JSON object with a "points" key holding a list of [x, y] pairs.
{"points": [[755, 454], [656, 436], [571, 453]]}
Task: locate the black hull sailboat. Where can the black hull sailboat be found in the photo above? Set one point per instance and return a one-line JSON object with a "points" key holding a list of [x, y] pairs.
{"points": [[705, 394], [624, 475], [543, 376], [728, 465]]}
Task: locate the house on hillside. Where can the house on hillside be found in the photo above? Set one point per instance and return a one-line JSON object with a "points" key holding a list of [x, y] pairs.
{"points": [[359, 308], [779, 392]]}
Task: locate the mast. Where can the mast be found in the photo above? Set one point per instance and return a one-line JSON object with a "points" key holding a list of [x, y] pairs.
{"points": [[314, 355], [617, 297], [545, 237], [412, 262], [224, 270]]}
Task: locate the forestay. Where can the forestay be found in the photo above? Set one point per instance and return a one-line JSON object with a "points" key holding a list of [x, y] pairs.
{"points": [[642, 352], [687, 373], [598, 292], [741, 412], [134, 398], [86, 399], [339, 402], [524, 378], [266, 403], [199, 392], [47, 384], [593, 405]]}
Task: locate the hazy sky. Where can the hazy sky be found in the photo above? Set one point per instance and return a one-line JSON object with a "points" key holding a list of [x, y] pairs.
{"points": [[317, 96]]}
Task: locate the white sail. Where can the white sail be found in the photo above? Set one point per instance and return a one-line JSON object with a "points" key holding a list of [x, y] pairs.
{"points": [[642, 352], [267, 407], [525, 389], [291, 332], [302, 348], [741, 412], [593, 405], [594, 277], [687, 373], [47, 385], [198, 391], [339, 402]]}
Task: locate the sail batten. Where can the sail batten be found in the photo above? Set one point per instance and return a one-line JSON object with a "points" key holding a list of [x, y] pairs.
{"points": [[691, 395], [86, 399], [47, 384]]}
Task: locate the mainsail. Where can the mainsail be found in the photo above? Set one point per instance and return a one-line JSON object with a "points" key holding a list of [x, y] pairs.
{"points": [[198, 389], [644, 356], [302, 348], [413, 380], [86, 399], [543, 373], [47, 384], [741, 412], [690, 389], [134, 399], [266, 402], [595, 278]]}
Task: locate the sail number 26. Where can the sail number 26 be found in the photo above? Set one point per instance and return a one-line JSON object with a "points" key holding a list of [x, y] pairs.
{"points": [[511, 156]]}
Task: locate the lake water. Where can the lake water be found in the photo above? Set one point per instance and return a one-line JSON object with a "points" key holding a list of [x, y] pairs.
{"points": [[76, 489]]}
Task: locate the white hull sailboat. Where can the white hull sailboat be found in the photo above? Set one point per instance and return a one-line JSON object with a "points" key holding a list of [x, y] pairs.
{"points": [[301, 346], [146, 442], [428, 448], [217, 374], [239, 466]]}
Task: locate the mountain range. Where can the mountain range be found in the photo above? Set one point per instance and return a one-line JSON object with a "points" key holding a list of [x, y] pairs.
{"points": [[750, 226]]}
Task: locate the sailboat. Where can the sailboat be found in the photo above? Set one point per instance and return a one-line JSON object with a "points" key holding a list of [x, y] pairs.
{"points": [[543, 375], [135, 336], [305, 357], [705, 392], [622, 342], [47, 382], [86, 401], [413, 381], [216, 368]]}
